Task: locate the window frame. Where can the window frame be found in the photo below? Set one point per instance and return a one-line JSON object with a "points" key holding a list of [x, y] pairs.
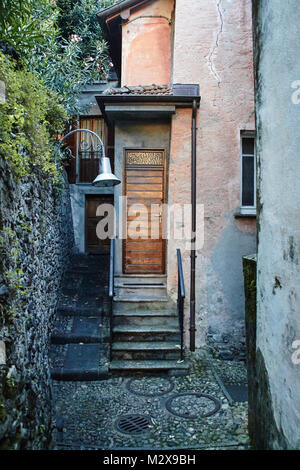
{"points": [[247, 210], [88, 137]]}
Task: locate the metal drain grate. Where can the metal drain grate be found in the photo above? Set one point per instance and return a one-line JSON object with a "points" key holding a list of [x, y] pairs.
{"points": [[133, 424]]}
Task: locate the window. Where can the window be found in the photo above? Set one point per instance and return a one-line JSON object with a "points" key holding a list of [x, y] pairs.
{"points": [[248, 173], [85, 142]]}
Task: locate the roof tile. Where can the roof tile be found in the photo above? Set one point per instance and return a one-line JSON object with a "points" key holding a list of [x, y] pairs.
{"points": [[140, 90]]}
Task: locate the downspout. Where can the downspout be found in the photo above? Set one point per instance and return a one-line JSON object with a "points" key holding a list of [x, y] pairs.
{"points": [[193, 240]]}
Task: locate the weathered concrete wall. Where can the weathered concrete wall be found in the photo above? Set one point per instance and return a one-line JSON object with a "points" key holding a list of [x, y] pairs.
{"points": [[146, 45], [35, 242], [213, 48], [78, 193], [277, 36]]}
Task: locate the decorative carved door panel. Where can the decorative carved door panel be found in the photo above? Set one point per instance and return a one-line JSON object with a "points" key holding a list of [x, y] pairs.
{"points": [[144, 187]]}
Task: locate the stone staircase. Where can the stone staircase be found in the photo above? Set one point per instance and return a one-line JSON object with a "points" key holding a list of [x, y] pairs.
{"points": [[80, 338], [146, 334], [142, 287]]}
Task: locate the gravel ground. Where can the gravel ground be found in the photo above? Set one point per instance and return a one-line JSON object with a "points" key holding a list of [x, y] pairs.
{"points": [[90, 411], [234, 372]]}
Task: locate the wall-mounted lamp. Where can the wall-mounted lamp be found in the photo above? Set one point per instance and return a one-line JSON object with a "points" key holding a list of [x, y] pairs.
{"points": [[105, 178]]}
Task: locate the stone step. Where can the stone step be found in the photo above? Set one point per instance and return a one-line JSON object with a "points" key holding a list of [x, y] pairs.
{"points": [[80, 310], [145, 333], [146, 355], [85, 290], [142, 306], [146, 351], [149, 366], [140, 278], [80, 374], [144, 319], [141, 283], [138, 294], [145, 313], [146, 329], [84, 330], [82, 362], [146, 345]]}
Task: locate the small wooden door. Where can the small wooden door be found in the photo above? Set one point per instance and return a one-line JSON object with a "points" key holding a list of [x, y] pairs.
{"points": [[92, 243], [144, 178]]}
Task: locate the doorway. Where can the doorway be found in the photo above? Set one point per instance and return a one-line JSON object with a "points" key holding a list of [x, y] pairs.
{"points": [[93, 244], [144, 187]]}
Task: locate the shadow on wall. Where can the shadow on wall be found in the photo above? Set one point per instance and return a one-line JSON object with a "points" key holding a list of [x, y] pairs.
{"points": [[225, 291]]}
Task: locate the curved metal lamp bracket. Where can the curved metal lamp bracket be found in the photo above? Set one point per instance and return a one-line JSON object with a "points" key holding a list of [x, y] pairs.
{"points": [[92, 140]]}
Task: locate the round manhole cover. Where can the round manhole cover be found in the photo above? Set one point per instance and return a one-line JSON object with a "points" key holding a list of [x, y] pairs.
{"points": [[193, 405], [133, 424], [150, 386]]}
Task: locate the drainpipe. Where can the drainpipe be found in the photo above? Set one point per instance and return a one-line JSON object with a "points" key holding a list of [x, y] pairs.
{"points": [[193, 251]]}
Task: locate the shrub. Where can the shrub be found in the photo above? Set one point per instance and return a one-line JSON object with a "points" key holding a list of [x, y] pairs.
{"points": [[29, 118]]}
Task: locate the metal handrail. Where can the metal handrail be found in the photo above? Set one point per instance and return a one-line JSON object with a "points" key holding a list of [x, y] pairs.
{"points": [[111, 268], [111, 292], [180, 301]]}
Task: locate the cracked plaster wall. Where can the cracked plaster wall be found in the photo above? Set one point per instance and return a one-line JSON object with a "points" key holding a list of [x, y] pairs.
{"points": [[213, 48], [277, 67]]}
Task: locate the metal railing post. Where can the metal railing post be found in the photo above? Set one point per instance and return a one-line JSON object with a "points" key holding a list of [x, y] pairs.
{"points": [[180, 302], [111, 293]]}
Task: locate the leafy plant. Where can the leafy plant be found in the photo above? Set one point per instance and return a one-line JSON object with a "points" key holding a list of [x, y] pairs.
{"points": [[26, 23], [29, 118], [61, 41], [76, 55]]}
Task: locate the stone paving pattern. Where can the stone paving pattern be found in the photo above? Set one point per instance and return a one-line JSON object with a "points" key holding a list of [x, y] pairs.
{"points": [[89, 411]]}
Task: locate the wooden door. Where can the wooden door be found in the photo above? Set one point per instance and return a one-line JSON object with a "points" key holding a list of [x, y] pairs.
{"points": [[92, 243], [144, 187]]}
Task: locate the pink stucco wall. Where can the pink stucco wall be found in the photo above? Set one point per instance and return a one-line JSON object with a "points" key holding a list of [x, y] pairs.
{"points": [[213, 47], [146, 45]]}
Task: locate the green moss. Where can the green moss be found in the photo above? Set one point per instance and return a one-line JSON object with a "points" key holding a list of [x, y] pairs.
{"points": [[2, 413], [5, 444], [249, 269], [11, 388], [10, 249], [11, 443]]}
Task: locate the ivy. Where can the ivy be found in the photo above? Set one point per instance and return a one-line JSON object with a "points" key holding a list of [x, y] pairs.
{"points": [[29, 118]]}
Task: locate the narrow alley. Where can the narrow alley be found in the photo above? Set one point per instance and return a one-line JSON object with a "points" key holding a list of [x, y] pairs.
{"points": [[96, 409]]}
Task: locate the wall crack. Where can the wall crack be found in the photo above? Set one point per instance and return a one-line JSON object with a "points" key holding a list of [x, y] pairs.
{"points": [[210, 59]]}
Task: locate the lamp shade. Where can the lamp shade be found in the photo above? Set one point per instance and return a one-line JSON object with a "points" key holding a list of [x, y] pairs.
{"points": [[106, 178]]}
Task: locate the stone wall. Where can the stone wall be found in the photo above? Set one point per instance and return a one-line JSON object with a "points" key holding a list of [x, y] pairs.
{"points": [[277, 82], [35, 242]]}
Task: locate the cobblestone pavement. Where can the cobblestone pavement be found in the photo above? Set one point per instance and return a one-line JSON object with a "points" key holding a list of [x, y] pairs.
{"points": [[90, 411]]}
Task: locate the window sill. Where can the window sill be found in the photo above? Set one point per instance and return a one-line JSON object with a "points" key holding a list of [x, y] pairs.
{"points": [[243, 215]]}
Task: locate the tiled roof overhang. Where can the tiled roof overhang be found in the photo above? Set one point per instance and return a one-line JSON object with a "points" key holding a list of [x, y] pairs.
{"points": [[119, 7], [141, 100]]}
